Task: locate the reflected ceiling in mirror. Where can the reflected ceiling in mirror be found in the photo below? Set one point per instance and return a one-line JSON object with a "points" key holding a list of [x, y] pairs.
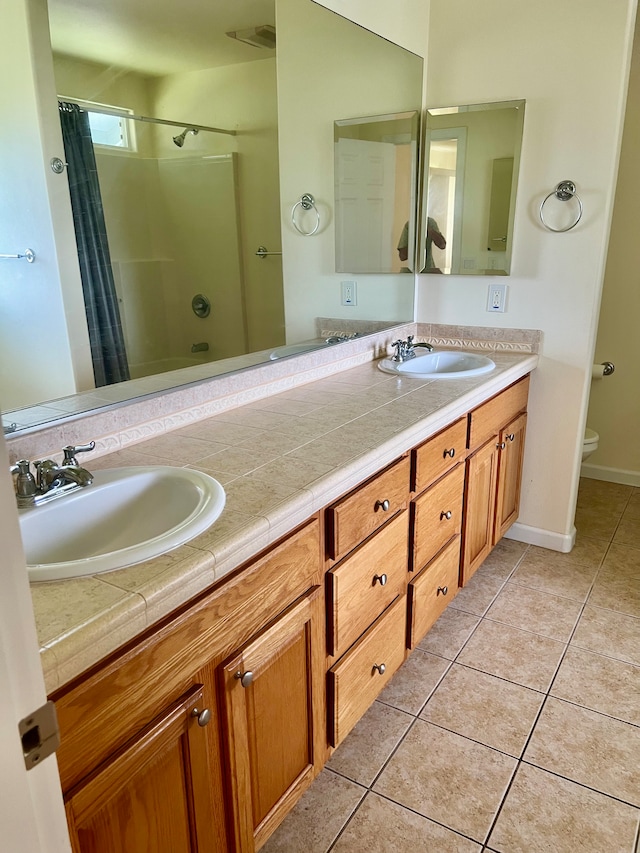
{"points": [[177, 64], [376, 162], [472, 159]]}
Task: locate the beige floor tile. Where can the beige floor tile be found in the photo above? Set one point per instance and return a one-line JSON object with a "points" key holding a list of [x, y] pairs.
{"points": [[380, 826], [503, 559], [476, 597], [535, 611], [527, 659], [633, 507], [617, 592], [602, 684], [596, 523], [556, 575], [484, 708], [450, 633], [590, 491], [318, 816], [609, 633], [628, 532], [364, 751], [587, 748], [413, 683], [447, 778], [545, 814]]}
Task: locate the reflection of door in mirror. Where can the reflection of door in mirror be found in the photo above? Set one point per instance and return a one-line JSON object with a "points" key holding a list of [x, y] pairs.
{"points": [[375, 189], [481, 144]]}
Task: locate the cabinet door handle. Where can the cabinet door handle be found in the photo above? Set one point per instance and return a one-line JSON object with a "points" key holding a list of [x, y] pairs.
{"points": [[245, 678], [381, 667], [501, 445], [203, 716], [381, 579], [446, 514], [442, 589], [383, 505], [451, 453], [511, 436]]}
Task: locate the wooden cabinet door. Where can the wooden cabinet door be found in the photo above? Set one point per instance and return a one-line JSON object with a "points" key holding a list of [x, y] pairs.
{"points": [[154, 794], [275, 720], [511, 452], [479, 511]]}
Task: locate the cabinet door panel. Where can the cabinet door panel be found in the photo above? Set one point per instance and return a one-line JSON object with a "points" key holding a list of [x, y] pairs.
{"points": [[153, 795], [489, 418], [432, 590], [479, 508], [274, 724], [509, 475]]}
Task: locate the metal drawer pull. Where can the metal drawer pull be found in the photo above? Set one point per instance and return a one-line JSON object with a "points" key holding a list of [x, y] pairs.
{"points": [[511, 436], [446, 515], [381, 667], [382, 579], [203, 716], [383, 505], [501, 445], [245, 678], [442, 589], [451, 453]]}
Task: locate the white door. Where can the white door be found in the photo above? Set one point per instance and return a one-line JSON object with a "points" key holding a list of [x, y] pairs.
{"points": [[31, 810], [365, 203]]}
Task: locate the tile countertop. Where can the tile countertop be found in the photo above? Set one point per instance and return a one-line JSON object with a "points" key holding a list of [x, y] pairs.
{"points": [[280, 460]]}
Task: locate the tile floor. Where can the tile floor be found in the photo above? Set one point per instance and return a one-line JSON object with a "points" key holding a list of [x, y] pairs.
{"points": [[515, 725]]}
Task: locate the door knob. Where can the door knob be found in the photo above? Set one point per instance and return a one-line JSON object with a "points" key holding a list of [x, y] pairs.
{"points": [[203, 716], [245, 678], [381, 667], [383, 505], [381, 579]]}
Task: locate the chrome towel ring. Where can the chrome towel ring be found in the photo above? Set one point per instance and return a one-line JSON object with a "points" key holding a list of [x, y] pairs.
{"points": [[306, 202], [565, 191]]}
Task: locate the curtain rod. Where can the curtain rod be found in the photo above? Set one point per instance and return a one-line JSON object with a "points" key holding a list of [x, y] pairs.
{"points": [[108, 111]]}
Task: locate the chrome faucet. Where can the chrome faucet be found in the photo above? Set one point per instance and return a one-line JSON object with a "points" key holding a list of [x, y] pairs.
{"points": [[405, 349], [51, 480]]}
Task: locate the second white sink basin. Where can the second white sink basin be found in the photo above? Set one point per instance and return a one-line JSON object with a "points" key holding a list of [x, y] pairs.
{"points": [[446, 364], [125, 516]]}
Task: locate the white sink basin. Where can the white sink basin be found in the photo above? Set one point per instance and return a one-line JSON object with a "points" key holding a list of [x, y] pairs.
{"points": [[440, 365], [125, 516]]}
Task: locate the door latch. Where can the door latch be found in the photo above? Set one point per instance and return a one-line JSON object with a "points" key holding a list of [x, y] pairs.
{"points": [[39, 734]]}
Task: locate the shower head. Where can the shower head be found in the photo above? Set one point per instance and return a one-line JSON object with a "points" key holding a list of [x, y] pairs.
{"points": [[179, 139]]}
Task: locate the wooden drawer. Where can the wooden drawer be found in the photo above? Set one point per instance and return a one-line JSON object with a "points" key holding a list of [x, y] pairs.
{"points": [[436, 516], [440, 453], [353, 518], [489, 418], [354, 682], [364, 584], [432, 590]]}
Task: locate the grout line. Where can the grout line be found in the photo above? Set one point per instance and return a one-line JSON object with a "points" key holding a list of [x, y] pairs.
{"points": [[581, 784], [636, 846]]}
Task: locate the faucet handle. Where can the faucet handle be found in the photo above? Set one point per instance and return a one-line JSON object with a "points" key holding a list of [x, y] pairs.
{"points": [[70, 452]]}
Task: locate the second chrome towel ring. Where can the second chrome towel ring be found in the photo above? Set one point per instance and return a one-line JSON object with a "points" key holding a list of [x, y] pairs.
{"points": [[306, 202], [565, 191]]}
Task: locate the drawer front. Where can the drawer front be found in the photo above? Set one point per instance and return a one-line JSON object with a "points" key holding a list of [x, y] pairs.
{"points": [[364, 584], [436, 456], [436, 517], [356, 680], [432, 590], [352, 519], [489, 418]]}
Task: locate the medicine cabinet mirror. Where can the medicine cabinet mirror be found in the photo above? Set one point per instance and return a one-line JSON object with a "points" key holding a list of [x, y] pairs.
{"points": [[471, 164], [376, 159]]}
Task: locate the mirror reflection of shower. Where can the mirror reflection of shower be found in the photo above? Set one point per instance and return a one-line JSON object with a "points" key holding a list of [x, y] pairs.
{"points": [[180, 138]]}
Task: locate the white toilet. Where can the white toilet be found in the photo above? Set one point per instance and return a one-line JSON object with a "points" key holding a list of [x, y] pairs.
{"points": [[590, 443]]}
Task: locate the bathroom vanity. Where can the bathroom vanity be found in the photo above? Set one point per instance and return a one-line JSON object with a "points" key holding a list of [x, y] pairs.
{"points": [[202, 731]]}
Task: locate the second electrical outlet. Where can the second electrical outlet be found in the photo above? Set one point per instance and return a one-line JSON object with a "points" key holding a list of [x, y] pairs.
{"points": [[348, 293], [497, 298]]}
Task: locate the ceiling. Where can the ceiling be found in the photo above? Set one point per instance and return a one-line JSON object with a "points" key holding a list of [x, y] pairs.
{"points": [[158, 37]]}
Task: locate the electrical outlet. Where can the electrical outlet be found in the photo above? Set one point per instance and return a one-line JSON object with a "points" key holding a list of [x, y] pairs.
{"points": [[349, 293], [497, 298]]}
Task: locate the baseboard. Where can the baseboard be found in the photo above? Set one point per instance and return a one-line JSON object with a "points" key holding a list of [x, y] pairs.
{"points": [[610, 475], [563, 542]]}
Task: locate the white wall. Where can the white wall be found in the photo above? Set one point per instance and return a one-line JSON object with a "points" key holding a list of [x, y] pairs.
{"points": [[569, 61], [329, 70], [614, 404]]}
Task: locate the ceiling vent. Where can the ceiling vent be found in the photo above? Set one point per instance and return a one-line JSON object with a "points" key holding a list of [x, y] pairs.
{"points": [[263, 36]]}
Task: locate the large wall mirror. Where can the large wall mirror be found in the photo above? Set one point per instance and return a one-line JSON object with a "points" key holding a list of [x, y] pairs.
{"points": [[191, 108], [472, 159]]}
